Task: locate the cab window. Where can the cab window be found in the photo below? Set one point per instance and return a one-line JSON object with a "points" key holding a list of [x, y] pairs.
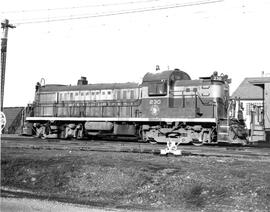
{"points": [[157, 89]]}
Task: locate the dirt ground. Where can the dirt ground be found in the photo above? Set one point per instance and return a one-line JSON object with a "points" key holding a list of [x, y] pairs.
{"points": [[138, 181]]}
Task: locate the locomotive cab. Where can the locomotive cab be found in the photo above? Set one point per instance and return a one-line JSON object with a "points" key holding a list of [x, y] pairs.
{"points": [[183, 109], [156, 92], [160, 84]]}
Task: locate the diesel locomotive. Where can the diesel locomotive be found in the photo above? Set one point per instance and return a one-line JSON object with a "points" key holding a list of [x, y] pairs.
{"points": [[167, 105]]}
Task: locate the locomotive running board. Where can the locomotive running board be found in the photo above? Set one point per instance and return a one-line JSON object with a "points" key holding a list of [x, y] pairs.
{"points": [[107, 119]]}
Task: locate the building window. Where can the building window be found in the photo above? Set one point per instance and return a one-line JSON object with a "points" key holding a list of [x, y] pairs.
{"points": [[250, 107], [109, 92]]}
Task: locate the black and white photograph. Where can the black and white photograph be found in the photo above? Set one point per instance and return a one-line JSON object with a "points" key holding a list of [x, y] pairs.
{"points": [[135, 105]]}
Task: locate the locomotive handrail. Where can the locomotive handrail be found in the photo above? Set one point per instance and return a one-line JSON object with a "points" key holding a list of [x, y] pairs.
{"points": [[110, 103], [205, 103], [89, 104], [78, 108], [195, 94]]}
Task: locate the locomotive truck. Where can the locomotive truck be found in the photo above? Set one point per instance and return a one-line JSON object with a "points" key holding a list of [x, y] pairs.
{"points": [[166, 106]]}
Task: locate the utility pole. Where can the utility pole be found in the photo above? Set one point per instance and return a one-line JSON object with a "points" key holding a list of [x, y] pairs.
{"points": [[5, 26]]}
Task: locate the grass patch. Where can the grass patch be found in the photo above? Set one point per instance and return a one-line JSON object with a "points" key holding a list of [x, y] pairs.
{"points": [[124, 180]]}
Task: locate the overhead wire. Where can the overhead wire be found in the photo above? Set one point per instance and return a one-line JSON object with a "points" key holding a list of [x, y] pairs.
{"points": [[113, 13], [80, 7]]}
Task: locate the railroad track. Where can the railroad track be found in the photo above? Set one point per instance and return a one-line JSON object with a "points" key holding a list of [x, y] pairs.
{"points": [[130, 147]]}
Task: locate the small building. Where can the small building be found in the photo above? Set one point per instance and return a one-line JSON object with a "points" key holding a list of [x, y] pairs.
{"points": [[254, 94]]}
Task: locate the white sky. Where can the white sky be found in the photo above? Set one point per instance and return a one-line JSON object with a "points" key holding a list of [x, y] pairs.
{"points": [[231, 37]]}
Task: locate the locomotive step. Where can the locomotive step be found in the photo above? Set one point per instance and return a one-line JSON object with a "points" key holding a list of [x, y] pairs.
{"points": [[258, 133], [258, 127], [223, 133], [257, 138], [222, 141], [223, 136], [224, 129], [224, 126]]}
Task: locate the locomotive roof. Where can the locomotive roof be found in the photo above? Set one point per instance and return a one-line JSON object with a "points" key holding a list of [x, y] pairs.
{"points": [[166, 75], [98, 86]]}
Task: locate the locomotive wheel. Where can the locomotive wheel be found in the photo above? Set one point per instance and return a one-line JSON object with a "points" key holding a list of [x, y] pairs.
{"points": [[152, 141], [197, 143]]}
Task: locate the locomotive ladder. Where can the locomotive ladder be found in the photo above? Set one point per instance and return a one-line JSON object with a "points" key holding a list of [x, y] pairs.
{"points": [[223, 131]]}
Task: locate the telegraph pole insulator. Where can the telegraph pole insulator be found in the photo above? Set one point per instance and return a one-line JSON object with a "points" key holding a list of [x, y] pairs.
{"points": [[5, 26]]}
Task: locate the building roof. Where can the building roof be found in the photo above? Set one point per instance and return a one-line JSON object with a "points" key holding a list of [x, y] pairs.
{"points": [[260, 81], [248, 91]]}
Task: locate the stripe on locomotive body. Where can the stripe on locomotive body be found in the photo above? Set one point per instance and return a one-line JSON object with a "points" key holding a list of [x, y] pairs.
{"points": [[209, 91], [197, 120]]}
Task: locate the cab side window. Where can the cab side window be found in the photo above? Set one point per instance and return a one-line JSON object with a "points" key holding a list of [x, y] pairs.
{"points": [[157, 88]]}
